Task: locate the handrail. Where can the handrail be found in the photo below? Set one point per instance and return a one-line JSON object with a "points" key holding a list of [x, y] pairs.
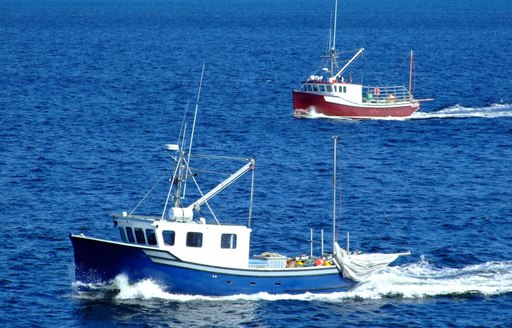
{"points": [[370, 94], [394, 93]]}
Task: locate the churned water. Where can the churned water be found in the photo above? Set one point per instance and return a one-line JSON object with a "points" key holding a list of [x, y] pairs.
{"points": [[92, 90]]}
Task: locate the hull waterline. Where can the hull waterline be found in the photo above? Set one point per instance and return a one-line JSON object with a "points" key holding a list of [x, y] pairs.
{"points": [[100, 261], [305, 102]]}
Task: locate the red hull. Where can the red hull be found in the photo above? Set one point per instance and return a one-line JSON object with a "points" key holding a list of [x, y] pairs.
{"points": [[305, 102]]}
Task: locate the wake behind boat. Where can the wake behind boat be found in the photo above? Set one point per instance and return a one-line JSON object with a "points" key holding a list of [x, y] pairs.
{"points": [[185, 253], [332, 95]]}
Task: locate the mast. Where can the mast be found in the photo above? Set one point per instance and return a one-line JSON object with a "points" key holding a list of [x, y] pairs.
{"points": [[332, 51], [195, 112], [330, 55], [251, 202], [410, 76], [335, 19], [181, 173], [329, 47], [335, 140], [192, 133]]}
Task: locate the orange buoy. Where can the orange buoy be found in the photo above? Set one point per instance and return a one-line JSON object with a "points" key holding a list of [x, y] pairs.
{"points": [[319, 262]]}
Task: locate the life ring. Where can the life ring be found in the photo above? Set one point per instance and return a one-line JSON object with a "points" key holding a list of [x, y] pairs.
{"points": [[376, 91]]}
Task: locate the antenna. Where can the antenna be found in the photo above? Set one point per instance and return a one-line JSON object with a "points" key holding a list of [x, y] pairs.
{"points": [[410, 76], [195, 113], [180, 173], [331, 53], [329, 47], [183, 124], [335, 17], [193, 127]]}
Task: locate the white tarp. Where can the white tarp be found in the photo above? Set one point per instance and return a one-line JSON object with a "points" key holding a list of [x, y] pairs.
{"points": [[359, 267]]}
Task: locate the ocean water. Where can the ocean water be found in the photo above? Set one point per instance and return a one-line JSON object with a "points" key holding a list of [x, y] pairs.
{"points": [[92, 90]]}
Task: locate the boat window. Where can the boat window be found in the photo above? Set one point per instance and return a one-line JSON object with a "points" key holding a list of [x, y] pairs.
{"points": [[168, 236], [328, 88], [321, 88], [129, 233], [151, 236], [344, 89], [194, 239], [335, 88], [315, 87], [123, 234], [139, 235], [228, 240]]}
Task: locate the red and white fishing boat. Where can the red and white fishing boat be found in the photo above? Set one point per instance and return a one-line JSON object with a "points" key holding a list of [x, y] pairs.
{"points": [[332, 95]]}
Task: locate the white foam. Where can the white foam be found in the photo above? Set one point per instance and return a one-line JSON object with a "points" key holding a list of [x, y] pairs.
{"points": [[458, 111], [422, 280], [144, 289], [417, 280]]}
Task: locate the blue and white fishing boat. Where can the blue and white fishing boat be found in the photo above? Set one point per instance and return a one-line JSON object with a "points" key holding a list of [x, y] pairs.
{"points": [[185, 253]]}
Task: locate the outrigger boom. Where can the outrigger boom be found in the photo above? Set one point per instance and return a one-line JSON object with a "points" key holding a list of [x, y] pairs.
{"points": [[342, 70], [196, 205]]}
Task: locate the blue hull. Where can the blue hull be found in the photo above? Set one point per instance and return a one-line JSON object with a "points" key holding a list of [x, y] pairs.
{"points": [[100, 261]]}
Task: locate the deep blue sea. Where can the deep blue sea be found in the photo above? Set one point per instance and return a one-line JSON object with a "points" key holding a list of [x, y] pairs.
{"points": [[91, 91]]}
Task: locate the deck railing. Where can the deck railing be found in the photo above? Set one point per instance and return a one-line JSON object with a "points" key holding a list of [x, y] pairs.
{"points": [[386, 94]]}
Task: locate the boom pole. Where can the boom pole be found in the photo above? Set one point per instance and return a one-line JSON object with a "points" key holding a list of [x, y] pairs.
{"points": [[221, 186], [335, 140], [410, 76], [348, 63]]}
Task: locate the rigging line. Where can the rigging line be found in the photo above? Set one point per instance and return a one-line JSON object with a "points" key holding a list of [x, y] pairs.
{"points": [[340, 204], [210, 172], [340, 216], [182, 128], [370, 68], [199, 189], [195, 112], [150, 190], [397, 68], [221, 173], [228, 195], [334, 185], [403, 241], [194, 122], [352, 54], [352, 51], [220, 157], [176, 169], [330, 34], [413, 78]]}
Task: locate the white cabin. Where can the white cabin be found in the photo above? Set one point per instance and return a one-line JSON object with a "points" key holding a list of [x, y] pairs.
{"points": [[197, 242], [348, 91]]}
